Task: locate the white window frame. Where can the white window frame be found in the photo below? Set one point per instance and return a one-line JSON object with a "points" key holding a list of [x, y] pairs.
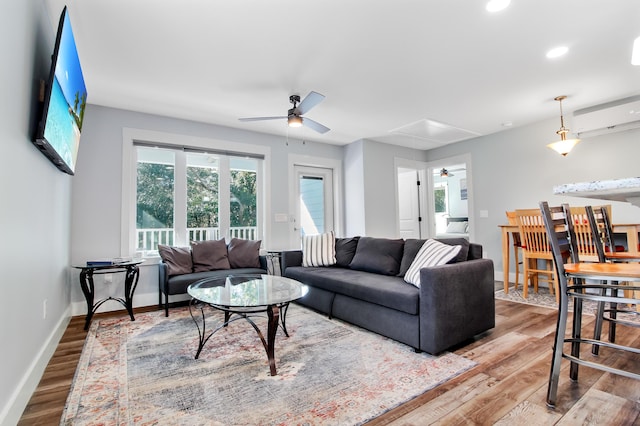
{"points": [[167, 140]]}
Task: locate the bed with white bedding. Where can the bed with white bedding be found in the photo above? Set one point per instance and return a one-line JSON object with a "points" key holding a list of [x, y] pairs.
{"points": [[457, 227]]}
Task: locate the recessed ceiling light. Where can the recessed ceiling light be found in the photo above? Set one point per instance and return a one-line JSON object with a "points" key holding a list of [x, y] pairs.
{"points": [[635, 56], [497, 5], [556, 52]]}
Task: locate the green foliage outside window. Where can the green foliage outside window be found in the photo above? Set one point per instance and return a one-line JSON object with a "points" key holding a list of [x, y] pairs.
{"points": [[155, 197], [202, 197], [244, 206], [441, 204]]}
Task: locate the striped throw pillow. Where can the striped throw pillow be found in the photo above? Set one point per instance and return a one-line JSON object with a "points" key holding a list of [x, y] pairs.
{"points": [[319, 250], [432, 253]]}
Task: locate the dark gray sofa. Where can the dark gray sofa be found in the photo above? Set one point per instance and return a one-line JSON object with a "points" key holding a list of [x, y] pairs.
{"points": [[180, 267], [454, 303]]}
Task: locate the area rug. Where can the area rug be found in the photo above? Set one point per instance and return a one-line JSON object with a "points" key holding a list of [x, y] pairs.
{"points": [[544, 298], [329, 373]]}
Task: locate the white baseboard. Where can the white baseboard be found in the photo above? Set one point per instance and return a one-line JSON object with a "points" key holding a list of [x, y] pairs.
{"points": [[14, 408]]}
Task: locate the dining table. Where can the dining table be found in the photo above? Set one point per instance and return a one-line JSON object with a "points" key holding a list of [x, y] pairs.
{"points": [[630, 230], [507, 232]]}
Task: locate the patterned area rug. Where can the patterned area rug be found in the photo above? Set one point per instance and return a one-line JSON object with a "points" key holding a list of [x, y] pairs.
{"points": [[548, 300], [329, 373]]}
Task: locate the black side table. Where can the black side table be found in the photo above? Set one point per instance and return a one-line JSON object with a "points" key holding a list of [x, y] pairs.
{"points": [[130, 283]]}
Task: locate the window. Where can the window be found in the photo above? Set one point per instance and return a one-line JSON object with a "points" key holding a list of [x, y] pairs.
{"points": [[184, 195], [440, 197]]}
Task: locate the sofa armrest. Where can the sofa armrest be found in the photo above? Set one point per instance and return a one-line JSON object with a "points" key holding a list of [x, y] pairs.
{"points": [[263, 262], [290, 258], [163, 285], [456, 303], [163, 276]]}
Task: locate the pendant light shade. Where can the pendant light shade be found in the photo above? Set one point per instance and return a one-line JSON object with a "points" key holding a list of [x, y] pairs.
{"points": [[564, 145]]}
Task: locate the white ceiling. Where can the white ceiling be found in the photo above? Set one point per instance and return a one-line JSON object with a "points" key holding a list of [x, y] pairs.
{"points": [[382, 65]]}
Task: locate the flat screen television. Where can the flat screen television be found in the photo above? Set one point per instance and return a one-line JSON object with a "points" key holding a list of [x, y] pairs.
{"points": [[64, 102]]}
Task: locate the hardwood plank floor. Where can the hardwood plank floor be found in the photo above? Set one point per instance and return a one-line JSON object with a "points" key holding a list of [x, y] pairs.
{"points": [[507, 387]]}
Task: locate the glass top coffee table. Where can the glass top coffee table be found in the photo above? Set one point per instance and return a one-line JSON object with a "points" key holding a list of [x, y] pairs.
{"points": [[244, 297]]}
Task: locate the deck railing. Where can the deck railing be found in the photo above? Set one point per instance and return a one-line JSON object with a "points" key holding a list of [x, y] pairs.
{"points": [[149, 238]]}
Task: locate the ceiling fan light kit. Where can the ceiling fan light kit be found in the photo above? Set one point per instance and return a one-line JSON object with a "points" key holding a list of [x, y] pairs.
{"points": [[294, 115], [294, 121], [564, 145]]}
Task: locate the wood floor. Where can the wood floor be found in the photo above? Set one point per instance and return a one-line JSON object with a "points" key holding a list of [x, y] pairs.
{"points": [[507, 387]]}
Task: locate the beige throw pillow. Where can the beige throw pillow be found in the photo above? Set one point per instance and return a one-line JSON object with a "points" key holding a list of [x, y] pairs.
{"points": [[432, 253], [319, 250]]}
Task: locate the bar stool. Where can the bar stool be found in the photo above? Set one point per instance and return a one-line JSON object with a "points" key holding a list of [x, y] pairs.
{"points": [[571, 280], [607, 252]]}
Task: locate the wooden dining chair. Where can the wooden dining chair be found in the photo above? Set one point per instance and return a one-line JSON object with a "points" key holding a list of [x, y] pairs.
{"points": [[584, 237], [535, 248], [572, 280], [517, 246]]}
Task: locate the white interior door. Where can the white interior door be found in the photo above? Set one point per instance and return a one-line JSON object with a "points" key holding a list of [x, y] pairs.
{"points": [[409, 203], [313, 210]]}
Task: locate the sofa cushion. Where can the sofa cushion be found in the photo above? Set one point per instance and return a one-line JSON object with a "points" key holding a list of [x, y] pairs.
{"points": [[463, 254], [319, 250], [378, 255], [178, 259], [432, 253], [345, 250], [244, 253], [209, 255], [411, 248], [178, 284], [391, 292]]}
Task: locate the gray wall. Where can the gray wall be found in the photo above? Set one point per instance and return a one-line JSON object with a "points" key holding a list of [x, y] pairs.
{"points": [[35, 225], [370, 187]]}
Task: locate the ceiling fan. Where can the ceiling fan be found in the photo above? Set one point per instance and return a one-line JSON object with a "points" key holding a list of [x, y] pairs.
{"points": [[445, 173], [294, 116]]}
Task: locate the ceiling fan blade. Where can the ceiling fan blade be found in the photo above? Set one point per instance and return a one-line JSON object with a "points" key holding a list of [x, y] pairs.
{"points": [[261, 118], [312, 99], [314, 125]]}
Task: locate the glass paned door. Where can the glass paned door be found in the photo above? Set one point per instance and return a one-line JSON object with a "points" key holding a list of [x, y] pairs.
{"points": [[314, 201]]}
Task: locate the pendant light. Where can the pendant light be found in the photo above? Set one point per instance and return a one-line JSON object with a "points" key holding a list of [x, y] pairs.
{"points": [[564, 145]]}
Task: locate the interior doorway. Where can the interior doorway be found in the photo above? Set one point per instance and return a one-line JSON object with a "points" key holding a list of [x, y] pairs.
{"points": [[450, 198]]}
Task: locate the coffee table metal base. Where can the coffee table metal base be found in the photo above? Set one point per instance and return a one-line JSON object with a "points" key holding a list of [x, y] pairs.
{"points": [[276, 314]]}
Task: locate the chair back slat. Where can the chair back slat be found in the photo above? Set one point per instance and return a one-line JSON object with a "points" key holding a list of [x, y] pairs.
{"points": [[597, 224], [562, 237]]}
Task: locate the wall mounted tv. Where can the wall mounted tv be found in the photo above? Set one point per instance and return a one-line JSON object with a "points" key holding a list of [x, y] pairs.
{"points": [[64, 102]]}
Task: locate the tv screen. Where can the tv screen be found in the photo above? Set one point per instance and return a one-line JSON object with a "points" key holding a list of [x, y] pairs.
{"points": [[65, 99]]}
